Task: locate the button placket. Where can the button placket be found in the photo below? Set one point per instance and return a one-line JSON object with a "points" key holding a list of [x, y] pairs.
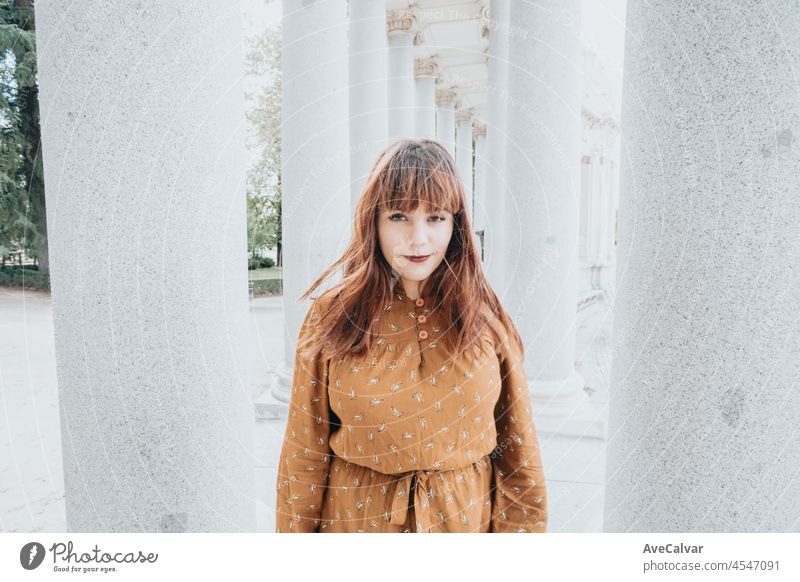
{"points": [[422, 333], [420, 320]]}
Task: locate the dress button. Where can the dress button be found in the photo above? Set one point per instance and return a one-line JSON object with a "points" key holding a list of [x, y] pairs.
{"points": [[420, 302], [422, 319], [423, 334]]}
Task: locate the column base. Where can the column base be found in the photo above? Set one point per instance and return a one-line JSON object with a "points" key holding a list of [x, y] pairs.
{"points": [[564, 408], [274, 403]]}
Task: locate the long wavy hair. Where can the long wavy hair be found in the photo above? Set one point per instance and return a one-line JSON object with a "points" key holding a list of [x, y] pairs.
{"points": [[406, 174]]}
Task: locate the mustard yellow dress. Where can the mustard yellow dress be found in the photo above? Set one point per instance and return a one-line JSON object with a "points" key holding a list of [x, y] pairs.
{"points": [[407, 440]]}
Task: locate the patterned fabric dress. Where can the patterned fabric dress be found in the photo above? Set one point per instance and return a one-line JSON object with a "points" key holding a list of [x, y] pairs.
{"points": [[408, 440]]}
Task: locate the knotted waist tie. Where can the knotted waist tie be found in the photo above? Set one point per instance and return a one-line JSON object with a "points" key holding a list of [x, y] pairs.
{"points": [[421, 500]]}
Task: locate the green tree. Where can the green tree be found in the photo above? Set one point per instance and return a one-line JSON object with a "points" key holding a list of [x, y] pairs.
{"points": [[264, 115], [23, 219]]}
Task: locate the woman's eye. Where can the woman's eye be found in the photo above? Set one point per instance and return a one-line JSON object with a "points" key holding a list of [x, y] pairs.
{"points": [[398, 217]]}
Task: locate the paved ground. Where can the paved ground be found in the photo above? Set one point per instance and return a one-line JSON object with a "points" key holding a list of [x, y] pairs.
{"points": [[31, 476]]}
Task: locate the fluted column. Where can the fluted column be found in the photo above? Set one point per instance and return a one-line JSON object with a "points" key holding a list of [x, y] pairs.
{"points": [[541, 214], [315, 177], [479, 195], [464, 153], [146, 217], [425, 72], [704, 404], [496, 27], [446, 119], [368, 99], [401, 87]]}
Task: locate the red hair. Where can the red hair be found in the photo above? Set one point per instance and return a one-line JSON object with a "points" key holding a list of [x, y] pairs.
{"points": [[406, 174]]}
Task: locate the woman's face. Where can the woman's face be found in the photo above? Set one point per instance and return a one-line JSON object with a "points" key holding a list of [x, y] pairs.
{"points": [[405, 235]]}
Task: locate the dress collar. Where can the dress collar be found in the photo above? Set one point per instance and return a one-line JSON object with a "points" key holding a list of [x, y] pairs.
{"points": [[400, 293]]}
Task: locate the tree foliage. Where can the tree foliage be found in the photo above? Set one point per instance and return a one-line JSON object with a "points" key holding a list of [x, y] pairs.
{"points": [[264, 116], [23, 223]]}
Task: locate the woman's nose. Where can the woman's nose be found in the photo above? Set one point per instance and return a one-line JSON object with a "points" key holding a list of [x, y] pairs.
{"points": [[419, 232]]}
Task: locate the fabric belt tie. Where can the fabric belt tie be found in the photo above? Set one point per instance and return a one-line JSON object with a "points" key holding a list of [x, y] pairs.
{"points": [[421, 500]]}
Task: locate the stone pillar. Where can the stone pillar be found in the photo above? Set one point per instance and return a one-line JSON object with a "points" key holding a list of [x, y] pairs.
{"points": [[401, 73], [464, 154], [446, 119], [315, 178], [703, 413], [541, 214], [496, 27], [425, 72], [145, 172], [597, 213], [479, 196], [368, 100]]}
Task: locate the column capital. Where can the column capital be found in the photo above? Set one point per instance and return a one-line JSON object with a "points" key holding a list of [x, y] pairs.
{"points": [[425, 68], [463, 116], [478, 129], [400, 21], [445, 96], [486, 21]]}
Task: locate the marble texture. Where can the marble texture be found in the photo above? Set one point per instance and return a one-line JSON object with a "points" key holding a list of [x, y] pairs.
{"points": [[144, 161], [705, 399]]}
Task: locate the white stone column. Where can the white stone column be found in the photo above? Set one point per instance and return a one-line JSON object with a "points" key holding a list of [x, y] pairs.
{"points": [[610, 184], [446, 119], [401, 73], [598, 202], [496, 27], [464, 154], [145, 173], [368, 100], [703, 413], [480, 218], [425, 72], [543, 169], [315, 184], [598, 195]]}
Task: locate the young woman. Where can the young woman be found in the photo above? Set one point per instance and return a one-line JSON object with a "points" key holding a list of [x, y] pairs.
{"points": [[410, 409]]}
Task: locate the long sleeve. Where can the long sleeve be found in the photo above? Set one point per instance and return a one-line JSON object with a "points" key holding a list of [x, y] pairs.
{"points": [[519, 496], [305, 456]]}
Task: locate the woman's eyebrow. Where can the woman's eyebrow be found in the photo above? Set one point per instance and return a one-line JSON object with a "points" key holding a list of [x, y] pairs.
{"points": [[434, 211]]}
